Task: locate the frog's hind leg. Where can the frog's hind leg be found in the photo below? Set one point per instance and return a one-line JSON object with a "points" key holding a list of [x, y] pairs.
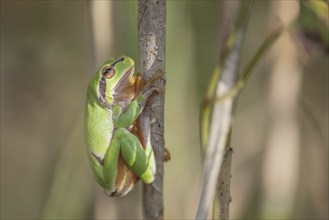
{"points": [[135, 157], [138, 159]]}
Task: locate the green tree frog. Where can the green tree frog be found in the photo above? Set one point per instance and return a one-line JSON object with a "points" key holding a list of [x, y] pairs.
{"points": [[118, 149]]}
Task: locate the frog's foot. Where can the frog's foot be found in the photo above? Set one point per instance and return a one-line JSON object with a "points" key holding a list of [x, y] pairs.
{"points": [[167, 155], [158, 75], [146, 94], [149, 88], [150, 91]]}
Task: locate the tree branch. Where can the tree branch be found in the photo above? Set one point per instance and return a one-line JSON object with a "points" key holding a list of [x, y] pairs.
{"points": [[222, 114], [152, 45], [221, 209]]}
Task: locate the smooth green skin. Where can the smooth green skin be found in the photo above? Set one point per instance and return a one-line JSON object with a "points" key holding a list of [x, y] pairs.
{"points": [[106, 129]]}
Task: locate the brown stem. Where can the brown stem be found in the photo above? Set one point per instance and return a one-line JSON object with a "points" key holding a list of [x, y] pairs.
{"points": [[152, 44]]}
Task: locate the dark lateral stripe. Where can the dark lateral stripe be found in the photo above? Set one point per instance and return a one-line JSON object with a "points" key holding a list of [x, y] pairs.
{"points": [[101, 90]]}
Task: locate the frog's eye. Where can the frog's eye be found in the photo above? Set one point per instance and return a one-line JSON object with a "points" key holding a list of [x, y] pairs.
{"points": [[108, 72]]}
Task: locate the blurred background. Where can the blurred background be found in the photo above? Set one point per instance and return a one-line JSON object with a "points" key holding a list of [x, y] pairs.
{"points": [[280, 133]]}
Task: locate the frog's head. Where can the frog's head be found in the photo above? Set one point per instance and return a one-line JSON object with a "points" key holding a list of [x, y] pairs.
{"points": [[115, 79]]}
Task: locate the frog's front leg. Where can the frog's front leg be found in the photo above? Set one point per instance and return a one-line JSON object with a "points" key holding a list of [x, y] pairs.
{"points": [[134, 109], [139, 161]]}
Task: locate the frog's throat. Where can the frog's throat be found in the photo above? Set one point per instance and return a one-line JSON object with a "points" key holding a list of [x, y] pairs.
{"points": [[126, 80]]}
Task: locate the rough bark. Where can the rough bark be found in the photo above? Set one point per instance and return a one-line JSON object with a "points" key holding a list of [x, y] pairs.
{"points": [[152, 51]]}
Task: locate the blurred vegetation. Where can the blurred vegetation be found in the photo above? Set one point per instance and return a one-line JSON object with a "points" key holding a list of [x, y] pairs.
{"points": [[46, 61]]}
